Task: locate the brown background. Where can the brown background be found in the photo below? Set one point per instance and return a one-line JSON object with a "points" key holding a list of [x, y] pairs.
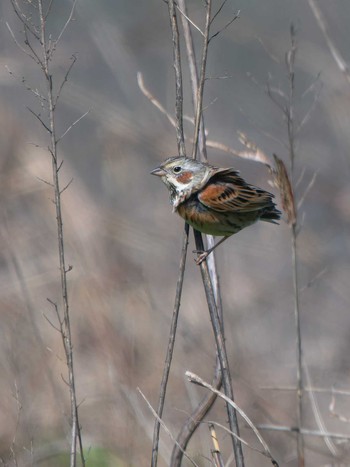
{"points": [[124, 243]]}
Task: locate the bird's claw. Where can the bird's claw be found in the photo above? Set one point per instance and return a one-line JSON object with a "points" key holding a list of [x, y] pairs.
{"points": [[201, 256]]}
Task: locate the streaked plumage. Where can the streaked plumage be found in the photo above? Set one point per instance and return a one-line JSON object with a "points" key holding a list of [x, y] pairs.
{"points": [[215, 201]]}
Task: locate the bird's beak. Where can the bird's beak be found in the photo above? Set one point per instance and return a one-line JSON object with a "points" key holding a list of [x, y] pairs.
{"points": [[158, 171]]}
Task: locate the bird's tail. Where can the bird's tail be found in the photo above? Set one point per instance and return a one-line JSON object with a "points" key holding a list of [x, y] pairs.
{"points": [[271, 214]]}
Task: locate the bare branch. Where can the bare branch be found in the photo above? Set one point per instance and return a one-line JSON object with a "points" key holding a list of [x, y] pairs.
{"points": [[226, 25], [18, 44], [154, 101], [190, 21], [307, 190], [218, 11], [178, 79], [171, 345], [25, 20], [318, 417], [72, 125], [193, 378], [64, 189], [269, 53], [70, 18], [223, 427], [31, 48], [342, 392], [23, 81], [154, 413], [312, 107], [51, 324], [40, 119], [321, 21], [45, 181], [303, 431], [65, 79]]}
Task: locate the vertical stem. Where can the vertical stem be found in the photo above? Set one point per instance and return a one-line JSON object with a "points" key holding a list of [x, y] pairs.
{"points": [[200, 88], [178, 79], [182, 152], [214, 303], [191, 60], [221, 352], [300, 383], [67, 338], [171, 345], [290, 60]]}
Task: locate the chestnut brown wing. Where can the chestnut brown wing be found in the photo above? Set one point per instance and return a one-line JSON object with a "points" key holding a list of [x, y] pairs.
{"points": [[227, 191]]}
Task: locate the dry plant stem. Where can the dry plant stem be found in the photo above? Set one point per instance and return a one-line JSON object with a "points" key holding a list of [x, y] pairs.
{"points": [[164, 426], [66, 335], [182, 152], [221, 352], [300, 385], [193, 378], [200, 88], [197, 86], [305, 431], [195, 419], [171, 344], [178, 79], [216, 454], [290, 61], [342, 65]]}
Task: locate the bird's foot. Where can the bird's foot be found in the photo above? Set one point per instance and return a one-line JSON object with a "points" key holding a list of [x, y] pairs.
{"points": [[201, 256]]}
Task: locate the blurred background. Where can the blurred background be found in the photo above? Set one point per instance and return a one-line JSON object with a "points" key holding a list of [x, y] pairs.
{"points": [[124, 242]]}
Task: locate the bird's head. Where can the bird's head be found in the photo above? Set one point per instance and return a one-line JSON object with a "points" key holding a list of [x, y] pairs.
{"points": [[183, 177]]}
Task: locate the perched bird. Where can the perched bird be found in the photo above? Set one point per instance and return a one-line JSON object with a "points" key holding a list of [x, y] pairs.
{"points": [[215, 201]]}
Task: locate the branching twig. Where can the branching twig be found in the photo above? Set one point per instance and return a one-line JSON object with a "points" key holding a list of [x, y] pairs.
{"points": [[41, 50], [193, 378]]}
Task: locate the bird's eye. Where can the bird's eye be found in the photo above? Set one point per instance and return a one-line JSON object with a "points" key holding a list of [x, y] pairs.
{"points": [[177, 169]]}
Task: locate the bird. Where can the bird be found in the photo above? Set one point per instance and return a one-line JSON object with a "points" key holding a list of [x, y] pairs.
{"points": [[214, 200]]}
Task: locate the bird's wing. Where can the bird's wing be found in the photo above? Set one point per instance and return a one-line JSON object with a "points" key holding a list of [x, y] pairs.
{"points": [[227, 191]]}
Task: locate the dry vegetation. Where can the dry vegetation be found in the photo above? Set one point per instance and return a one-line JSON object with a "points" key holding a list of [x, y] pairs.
{"points": [[124, 244]]}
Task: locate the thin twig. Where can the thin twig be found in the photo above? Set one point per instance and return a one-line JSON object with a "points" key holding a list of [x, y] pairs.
{"points": [[321, 21], [290, 62], [155, 102], [208, 270], [193, 378], [243, 441], [318, 417], [178, 78], [160, 421], [65, 79], [44, 61], [192, 65], [195, 419], [200, 87], [303, 431], [216, 453], [170, 350], [226, 25], [72, 125], [189, 20], [69, 20], [221, 351], [40, 119]]}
